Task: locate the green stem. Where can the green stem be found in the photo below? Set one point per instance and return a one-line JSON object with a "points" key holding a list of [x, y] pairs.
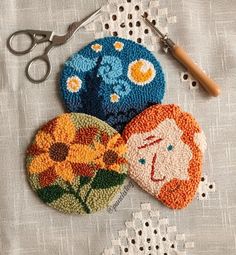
{"points": [[89, 191], [84, 205], [86, 197]]}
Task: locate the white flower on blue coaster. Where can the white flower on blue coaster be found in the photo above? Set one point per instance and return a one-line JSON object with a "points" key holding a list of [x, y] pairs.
{"points": [[113, 79]]}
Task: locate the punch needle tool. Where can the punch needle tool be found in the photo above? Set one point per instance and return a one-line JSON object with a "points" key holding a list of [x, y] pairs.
{"points": [[180, 54], [39, 36]]}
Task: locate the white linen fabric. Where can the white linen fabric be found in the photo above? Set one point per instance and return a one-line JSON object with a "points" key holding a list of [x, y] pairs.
{"points": [[207, 30]]}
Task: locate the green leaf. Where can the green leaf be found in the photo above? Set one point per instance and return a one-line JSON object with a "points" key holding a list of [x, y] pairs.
{"points": [[84, 180], [51, 193], [105, 179]]}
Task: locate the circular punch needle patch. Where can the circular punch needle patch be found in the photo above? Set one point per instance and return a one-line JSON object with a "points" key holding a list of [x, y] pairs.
{"points": [[76, 163], [165, 151], [112, 79]]}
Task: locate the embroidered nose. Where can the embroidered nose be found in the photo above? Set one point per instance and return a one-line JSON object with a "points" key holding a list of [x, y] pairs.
{"points": [[153, 170]]}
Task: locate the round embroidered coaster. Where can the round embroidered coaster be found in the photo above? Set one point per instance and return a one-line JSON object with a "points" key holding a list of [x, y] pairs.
{"points": [[77, 163], [165, 150], [112, 79]]}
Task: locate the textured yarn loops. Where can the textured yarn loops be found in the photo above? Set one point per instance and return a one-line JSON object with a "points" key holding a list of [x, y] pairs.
{"points": [[112, 79], [165, 151], [76, 163]]}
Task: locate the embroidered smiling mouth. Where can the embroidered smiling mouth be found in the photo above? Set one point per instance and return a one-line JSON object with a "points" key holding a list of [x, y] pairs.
{"points": [[153, 170]]}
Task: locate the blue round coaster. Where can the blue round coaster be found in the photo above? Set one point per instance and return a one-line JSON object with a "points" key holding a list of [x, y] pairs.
{"points": [[113, 79]]}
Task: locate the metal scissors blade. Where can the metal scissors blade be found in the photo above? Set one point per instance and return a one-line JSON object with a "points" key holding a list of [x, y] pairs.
{"points": [[73, 28]]}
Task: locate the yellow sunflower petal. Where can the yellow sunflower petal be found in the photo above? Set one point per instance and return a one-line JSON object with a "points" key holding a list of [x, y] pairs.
{"points": [[99, 147], [113, 141], [79, 153], [121, 149], [44, 140], [64, 130], [65, 171], [40, 164], [115, 167], [99, 161]]}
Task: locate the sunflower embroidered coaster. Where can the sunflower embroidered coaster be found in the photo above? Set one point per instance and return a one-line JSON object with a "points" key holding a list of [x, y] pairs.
{"points": [[165, 151], [76, 163], [112, 79]]}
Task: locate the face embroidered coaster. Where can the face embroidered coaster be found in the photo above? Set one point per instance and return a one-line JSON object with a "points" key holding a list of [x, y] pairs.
{"points": [[76, 163], [112, 79], [165, 151]]}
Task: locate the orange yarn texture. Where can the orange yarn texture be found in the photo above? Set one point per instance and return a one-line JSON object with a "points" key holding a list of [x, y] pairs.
{"points": [[76, 163], [165, 151]]}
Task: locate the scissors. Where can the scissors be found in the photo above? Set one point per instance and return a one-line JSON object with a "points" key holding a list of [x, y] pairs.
{"points": [[47, 36]]}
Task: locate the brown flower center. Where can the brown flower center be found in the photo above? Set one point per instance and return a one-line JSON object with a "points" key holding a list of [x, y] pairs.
{"points": [[110, 157], [58, 152]]}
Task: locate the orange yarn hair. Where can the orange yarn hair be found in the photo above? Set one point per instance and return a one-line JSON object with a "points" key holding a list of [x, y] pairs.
{"points": [[176, 194]]}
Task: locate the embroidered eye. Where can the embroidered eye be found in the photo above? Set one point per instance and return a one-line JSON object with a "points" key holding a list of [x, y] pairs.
{"points": [[142, 161], [170, 147]]}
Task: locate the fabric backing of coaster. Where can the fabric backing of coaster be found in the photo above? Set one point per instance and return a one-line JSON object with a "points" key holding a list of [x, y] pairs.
{"points": [[112, 79], [76, 163], [165, 151]]}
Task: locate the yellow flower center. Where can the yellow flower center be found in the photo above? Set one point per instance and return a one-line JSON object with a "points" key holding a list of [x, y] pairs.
{"points": [[58, 152], [97, 47], [118, 46], [115, 98], [74, 84]]}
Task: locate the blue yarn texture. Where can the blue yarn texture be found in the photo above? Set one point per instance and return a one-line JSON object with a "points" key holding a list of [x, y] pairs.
{"points": [[113, 79]]}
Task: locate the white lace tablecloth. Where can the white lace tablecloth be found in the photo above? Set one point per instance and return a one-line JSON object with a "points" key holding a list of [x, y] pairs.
{"points": [[207, 29]]}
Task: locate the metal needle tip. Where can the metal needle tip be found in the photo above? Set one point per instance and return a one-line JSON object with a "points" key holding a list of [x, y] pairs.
{"points": [[153, 27]]}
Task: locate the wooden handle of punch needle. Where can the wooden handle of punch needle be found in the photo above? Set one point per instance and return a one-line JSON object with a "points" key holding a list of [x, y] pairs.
{"points": [[208, 84]]}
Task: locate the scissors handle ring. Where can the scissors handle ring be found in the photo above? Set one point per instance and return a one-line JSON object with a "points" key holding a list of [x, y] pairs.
{"points": [[21, 32], [46, 60]]}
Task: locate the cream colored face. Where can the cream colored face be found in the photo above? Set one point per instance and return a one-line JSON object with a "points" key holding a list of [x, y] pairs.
{"points": [[158, 156]]}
